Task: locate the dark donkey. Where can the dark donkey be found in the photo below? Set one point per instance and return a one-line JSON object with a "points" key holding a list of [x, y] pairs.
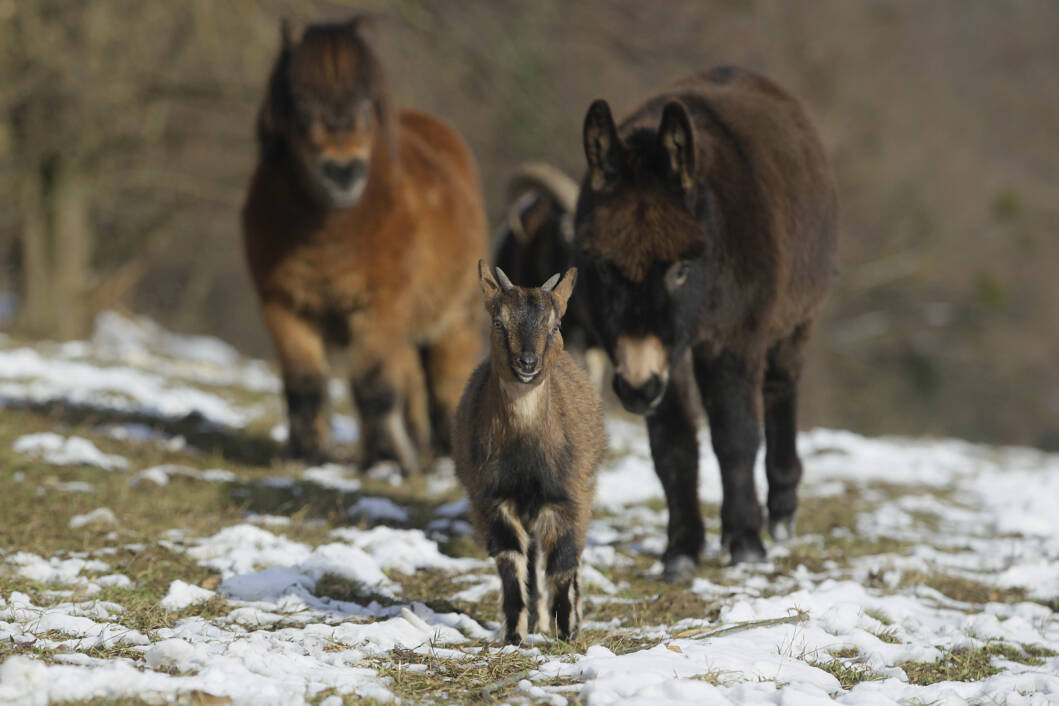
{"points": [[705, 232]]}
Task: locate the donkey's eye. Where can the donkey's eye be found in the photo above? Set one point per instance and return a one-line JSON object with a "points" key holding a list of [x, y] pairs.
{"points": [[677, 276], [555, 329]]}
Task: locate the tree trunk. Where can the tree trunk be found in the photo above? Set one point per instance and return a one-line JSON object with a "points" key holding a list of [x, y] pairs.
{"points": [[56, 252]]}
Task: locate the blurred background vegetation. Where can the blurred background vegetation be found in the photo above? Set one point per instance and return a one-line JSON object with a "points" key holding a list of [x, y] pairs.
{"points": [[126, 143]]}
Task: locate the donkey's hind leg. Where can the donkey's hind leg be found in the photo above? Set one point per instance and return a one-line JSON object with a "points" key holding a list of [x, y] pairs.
{"points": [[782, 465]]}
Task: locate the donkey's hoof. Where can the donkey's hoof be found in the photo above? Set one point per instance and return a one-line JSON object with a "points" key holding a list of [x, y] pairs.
{"points": [[746, 548], [679, 569], [781, 528]]}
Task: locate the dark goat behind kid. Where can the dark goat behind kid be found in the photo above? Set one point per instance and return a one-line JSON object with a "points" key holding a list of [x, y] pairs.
{"points": [[527, 442]]}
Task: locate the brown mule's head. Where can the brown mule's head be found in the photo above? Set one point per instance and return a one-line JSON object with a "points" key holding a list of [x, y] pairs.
{"points": [[327, 106], [526, 338]]}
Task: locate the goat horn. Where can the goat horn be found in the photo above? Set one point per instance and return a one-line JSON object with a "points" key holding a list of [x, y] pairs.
{"points": [[505, 283], [546, 178], [550, 284]]}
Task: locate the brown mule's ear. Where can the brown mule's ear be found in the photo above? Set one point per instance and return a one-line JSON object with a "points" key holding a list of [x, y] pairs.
{"points": [[487, 281], [291, 32], [677, 139], [603, 147], [563, 289], [364, 26]]}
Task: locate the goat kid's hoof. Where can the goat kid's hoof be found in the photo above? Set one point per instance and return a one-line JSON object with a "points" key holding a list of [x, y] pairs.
{"points": [[781, 528], [514, 639], [309, 455], [746, 548], [679, 569]]}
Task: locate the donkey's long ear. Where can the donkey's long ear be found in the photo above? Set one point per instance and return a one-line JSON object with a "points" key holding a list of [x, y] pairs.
{"points": [[603, 147], [563, 289], [677, 139]]}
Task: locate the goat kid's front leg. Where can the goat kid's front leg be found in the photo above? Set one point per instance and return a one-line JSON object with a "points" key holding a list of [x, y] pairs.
{"points": [[563, 572], [509, 545]]}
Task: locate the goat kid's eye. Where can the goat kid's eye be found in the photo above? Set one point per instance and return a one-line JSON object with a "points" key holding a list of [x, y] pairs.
{"points": [[555, 329], [498, 324]]}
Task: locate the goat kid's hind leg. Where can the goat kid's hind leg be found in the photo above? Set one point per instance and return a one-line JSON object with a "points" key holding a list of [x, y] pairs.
{"points": [[731, 391], [303, 360], [508, 543], [782, 465], [675, 451]]}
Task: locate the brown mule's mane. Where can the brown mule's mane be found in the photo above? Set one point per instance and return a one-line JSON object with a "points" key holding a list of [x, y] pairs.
{"points": [[329, 65]]}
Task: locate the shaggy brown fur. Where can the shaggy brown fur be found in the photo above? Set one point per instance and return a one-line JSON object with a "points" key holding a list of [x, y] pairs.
{"points": [[706, 232], [362, 226], [527, 441]]}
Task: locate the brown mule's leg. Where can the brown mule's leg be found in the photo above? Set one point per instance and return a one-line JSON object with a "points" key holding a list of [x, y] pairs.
{"points": [[387, 388], [300, 347], [449, 361]]}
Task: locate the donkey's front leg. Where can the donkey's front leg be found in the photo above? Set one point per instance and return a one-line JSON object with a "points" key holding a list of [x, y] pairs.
{"points": [[731, 392]]}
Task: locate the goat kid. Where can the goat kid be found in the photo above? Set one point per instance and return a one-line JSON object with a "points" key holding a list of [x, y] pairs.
{"points": [[527, 441]]}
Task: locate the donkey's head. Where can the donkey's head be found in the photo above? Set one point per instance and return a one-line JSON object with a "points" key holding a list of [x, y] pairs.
{"points": [[641, 247], [326, 105], [526, 338]]}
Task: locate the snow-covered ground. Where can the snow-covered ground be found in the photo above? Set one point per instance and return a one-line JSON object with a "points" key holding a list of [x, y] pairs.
{"points": [[854, 600]]}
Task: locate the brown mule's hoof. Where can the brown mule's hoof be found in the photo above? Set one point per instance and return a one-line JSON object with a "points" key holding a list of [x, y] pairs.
{"points": [[679, 569]]}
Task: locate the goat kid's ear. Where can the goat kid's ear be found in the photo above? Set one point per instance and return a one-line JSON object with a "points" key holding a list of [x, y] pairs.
{"points": [[563, 289], [291, 32], [492, 280], [677, 139], [603, 147]]}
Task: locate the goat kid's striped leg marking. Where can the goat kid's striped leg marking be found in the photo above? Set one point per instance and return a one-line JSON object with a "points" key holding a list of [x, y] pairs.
{"points": [[513, 596], [566, 603], [508, 542], [533, 586], [563, 571], [544, 617]]}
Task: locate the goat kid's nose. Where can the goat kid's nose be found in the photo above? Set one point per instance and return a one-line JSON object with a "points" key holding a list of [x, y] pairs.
{"points": [[343, 174], [527, 361]]}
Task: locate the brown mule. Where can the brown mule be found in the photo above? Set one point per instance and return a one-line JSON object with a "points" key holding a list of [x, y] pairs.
{"points": [[362, 227]]}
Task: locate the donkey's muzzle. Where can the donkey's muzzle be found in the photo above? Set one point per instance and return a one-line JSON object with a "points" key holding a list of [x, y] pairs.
{"points": [[642, 399]]}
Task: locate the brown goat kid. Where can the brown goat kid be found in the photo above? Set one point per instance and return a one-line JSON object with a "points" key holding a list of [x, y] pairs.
{"points": [[362, 226], [527, 441]]}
